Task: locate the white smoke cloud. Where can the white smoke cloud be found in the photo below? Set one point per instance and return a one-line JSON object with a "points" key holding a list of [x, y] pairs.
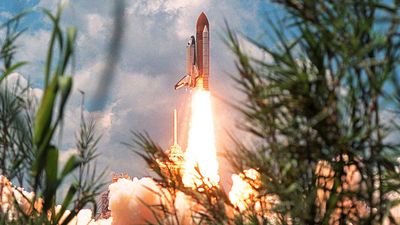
{"points": [[85, 217], [128, 200], [14, 201]]}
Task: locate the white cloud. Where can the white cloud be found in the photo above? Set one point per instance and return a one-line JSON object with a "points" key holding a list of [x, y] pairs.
{"points": [[95, 24], [15, 81], [33, 49]]}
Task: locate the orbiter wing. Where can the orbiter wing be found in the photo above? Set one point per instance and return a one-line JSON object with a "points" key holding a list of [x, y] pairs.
{"points": [[184, 81]]}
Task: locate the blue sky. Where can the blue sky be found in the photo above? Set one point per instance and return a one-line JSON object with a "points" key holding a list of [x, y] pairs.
{"points": [[17, 6], [152, 59]]}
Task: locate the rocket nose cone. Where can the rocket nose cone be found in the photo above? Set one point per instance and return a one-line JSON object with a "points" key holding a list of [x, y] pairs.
{"points": [[202, 20], [202, 16]]}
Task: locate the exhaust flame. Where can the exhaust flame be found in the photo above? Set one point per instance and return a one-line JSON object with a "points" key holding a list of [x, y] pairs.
{"points": [[243, 191], [201, 153]]}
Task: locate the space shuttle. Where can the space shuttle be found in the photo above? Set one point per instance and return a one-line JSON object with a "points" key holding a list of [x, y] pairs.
{"points": [[197, 57]]}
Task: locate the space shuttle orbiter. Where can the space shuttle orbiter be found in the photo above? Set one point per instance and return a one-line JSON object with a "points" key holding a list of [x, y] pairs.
{"points": [[197, 57]]}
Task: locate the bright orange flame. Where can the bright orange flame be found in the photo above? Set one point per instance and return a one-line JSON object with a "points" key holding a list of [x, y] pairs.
{"points": [[243, 193], [201, 151]]}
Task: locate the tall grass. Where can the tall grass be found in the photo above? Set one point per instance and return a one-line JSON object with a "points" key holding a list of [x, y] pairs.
{"points": [[28, 151]]}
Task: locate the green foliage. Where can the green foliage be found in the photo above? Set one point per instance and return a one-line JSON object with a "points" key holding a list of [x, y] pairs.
{"points": [[326, 95], [15, 110], [46, 178], [28, 140]]}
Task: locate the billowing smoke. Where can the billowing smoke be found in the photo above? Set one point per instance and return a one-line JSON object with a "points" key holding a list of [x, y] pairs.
{"points": [[136, 201], [130, 201], [85, 217], [14, 201]]}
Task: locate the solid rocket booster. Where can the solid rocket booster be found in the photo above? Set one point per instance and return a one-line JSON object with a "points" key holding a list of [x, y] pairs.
{"points": [[206, 58], [198, 57]]}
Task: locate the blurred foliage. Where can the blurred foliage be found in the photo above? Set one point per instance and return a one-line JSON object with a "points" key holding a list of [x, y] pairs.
{"points": [[28, 152], [322, 108], [15, 115]]}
